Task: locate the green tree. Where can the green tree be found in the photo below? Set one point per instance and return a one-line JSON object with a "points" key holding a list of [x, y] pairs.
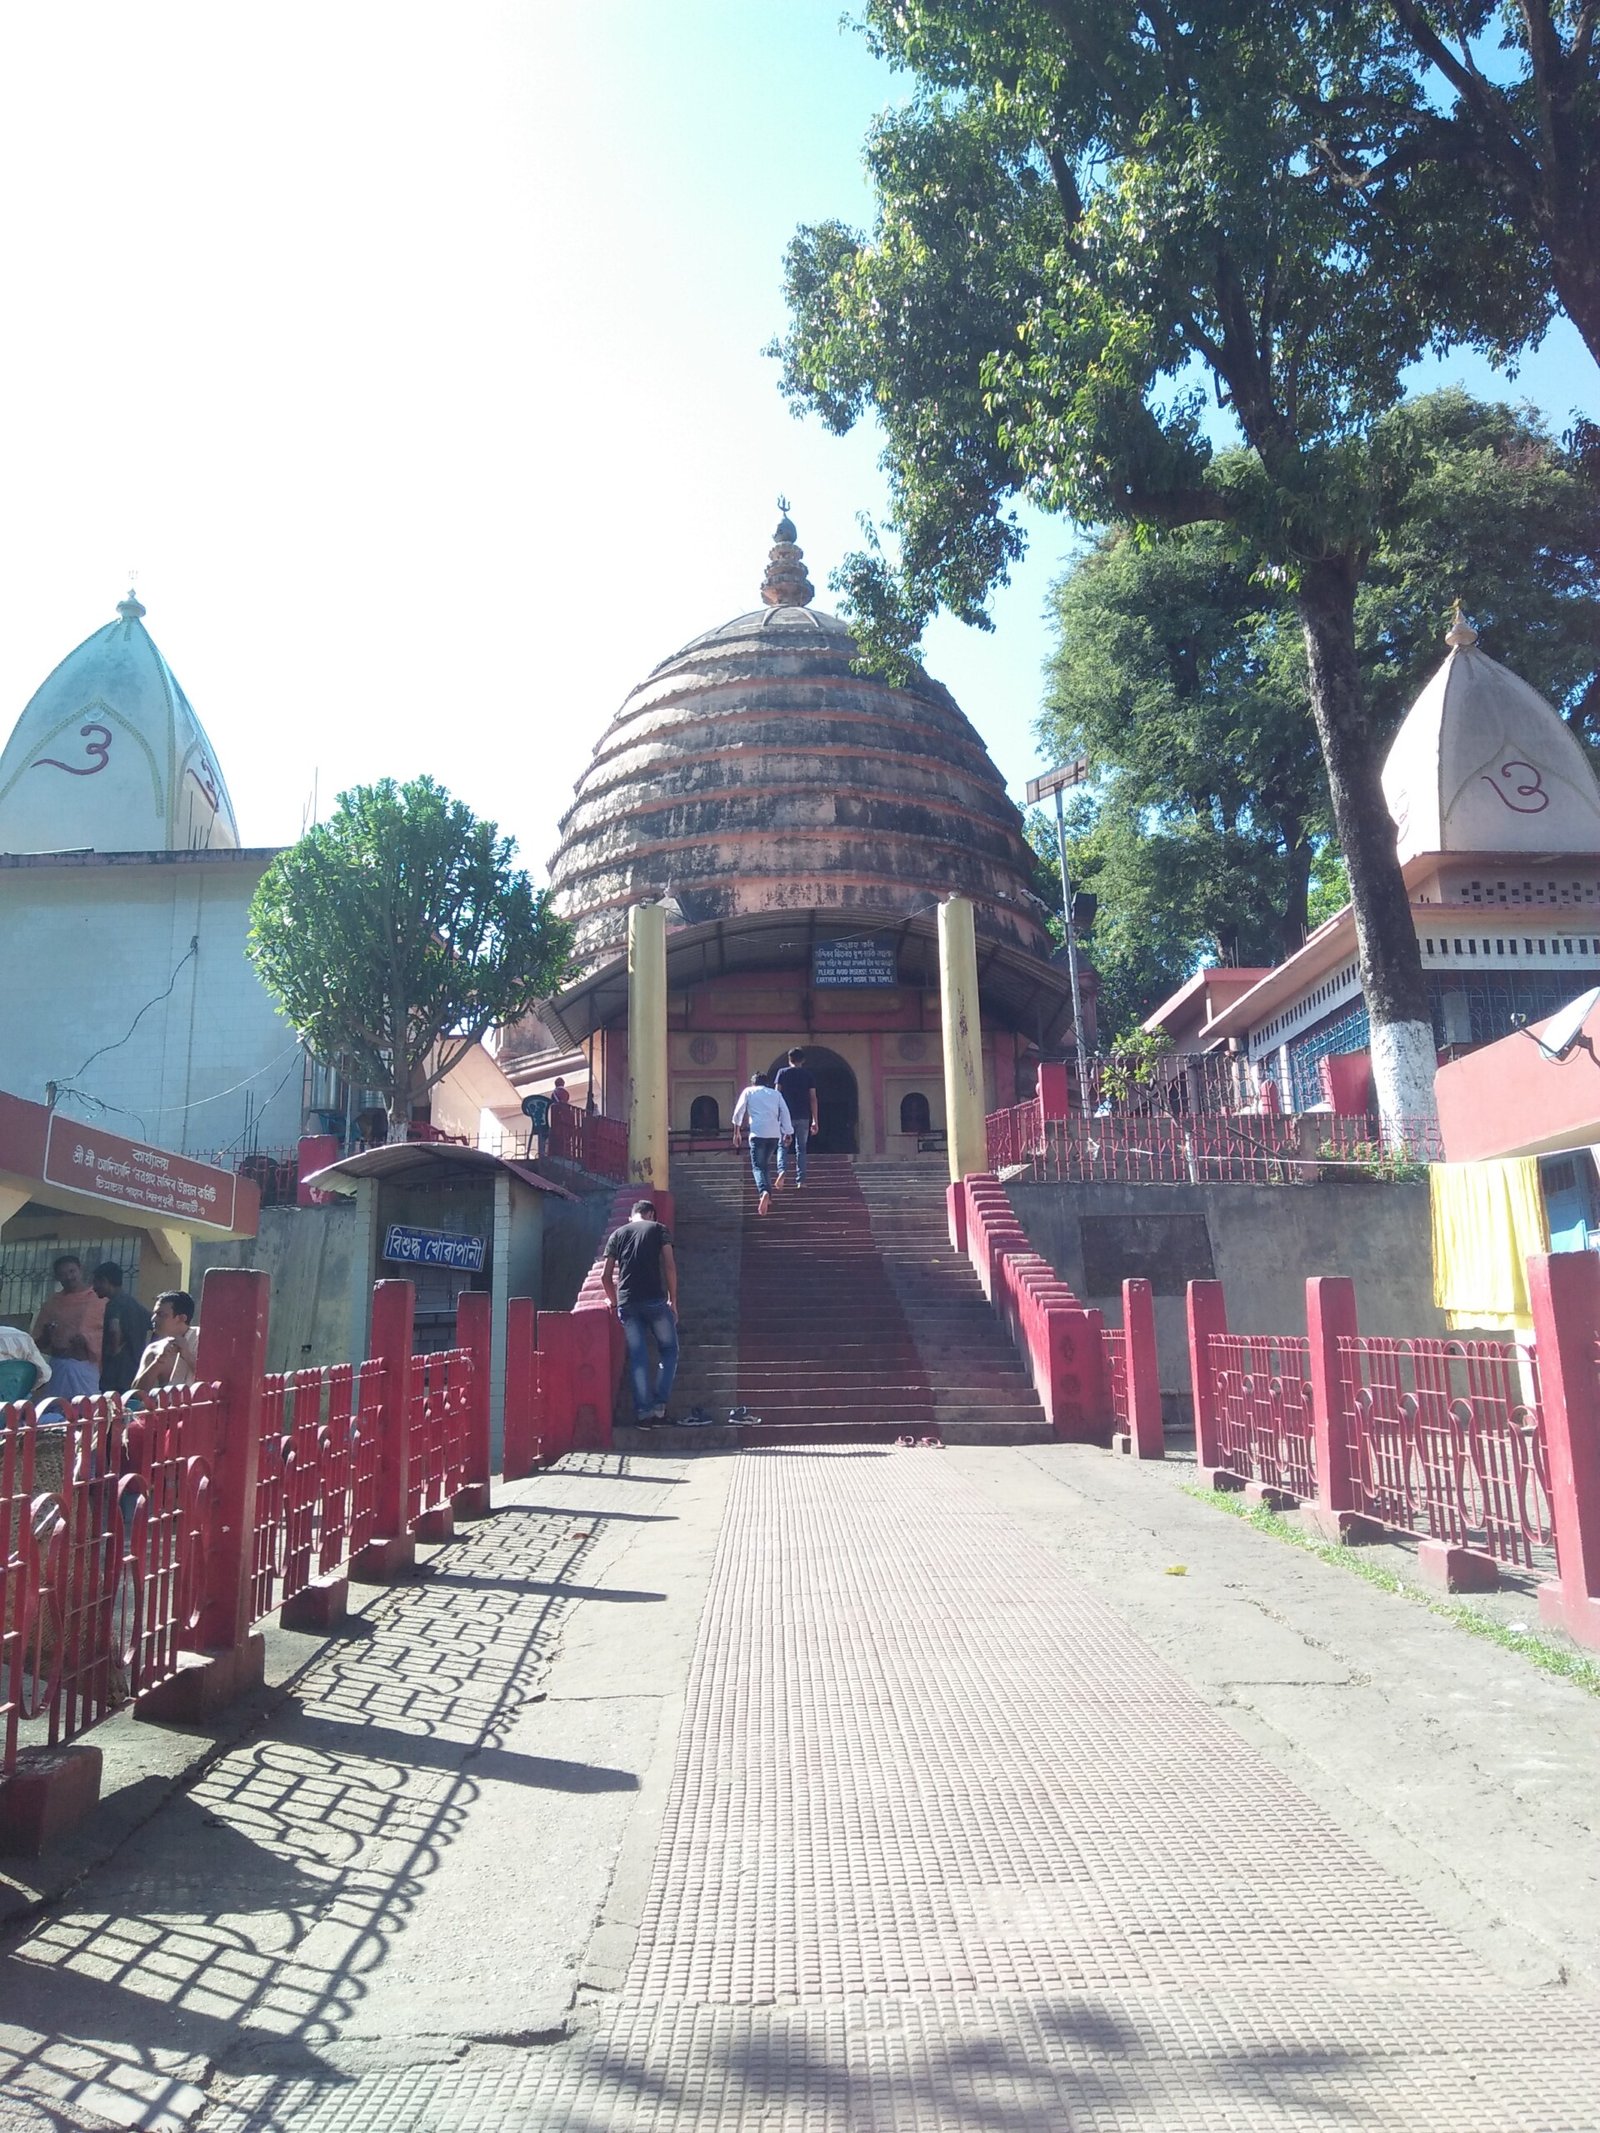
{"points": [[395, 935], [1489, 110], [1086, 212], [1180, 671]]}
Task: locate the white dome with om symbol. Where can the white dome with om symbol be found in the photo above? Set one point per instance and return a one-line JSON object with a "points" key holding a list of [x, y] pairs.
{"points": [[109, 756], [1483, 764]]}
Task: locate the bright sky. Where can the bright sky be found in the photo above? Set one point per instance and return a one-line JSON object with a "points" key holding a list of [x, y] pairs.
{"points": [[409, 355]]}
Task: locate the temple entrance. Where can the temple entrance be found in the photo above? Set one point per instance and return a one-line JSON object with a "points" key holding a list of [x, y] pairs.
{"points": [[837, 1102]]}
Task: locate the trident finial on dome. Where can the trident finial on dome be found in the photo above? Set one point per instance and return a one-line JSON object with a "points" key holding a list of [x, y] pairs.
{"points": [[786, 583], [129, 609], [1460, 636]]}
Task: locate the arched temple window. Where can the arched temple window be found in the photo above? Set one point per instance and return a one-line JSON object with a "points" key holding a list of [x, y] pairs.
{"points": [[705, 1115], [914, 1114]]}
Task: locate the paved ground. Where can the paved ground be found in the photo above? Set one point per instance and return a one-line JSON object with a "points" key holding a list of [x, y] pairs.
{"points": [[853, 1790]]}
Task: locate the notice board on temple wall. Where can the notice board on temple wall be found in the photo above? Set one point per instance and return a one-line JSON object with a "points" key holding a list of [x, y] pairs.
{"points": [[853, 963]]}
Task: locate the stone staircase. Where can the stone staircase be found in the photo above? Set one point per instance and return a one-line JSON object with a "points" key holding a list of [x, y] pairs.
{"points": [[843, 1315]]}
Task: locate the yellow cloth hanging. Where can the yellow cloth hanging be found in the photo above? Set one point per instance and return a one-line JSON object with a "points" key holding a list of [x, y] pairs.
{"points": [[1487, 1219]]}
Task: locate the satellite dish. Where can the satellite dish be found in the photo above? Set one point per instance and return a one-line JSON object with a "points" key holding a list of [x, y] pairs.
{"points": [[1559, 1036]]}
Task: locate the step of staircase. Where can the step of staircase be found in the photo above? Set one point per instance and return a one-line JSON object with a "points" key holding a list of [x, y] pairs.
{"points": [[843, 1316]]}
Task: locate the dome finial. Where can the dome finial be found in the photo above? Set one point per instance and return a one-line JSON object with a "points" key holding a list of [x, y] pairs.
{"points": [[1460, 636], [786, 583], [129, 609]]}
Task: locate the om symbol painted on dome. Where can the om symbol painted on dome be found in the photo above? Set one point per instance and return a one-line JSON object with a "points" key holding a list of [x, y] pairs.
{"points": [[206, 778], [97, 751], [1524, 798]]}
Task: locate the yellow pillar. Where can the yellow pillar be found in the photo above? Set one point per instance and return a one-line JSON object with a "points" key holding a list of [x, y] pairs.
{"points": [[647, 1046], [963, 1038]]}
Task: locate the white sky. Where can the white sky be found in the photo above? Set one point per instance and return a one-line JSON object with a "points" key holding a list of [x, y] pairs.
{"points": [[409, 355]]}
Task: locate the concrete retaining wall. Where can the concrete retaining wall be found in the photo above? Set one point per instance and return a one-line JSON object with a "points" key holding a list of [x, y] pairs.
{"points": [[1260, 1241], [310, 1253]]}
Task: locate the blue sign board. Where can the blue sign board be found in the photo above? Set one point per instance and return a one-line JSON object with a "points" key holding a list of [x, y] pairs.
{"points": [[432, 1247]]}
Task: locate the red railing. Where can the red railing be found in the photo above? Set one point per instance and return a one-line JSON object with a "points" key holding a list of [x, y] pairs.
{"points": [[589, 1139], [105, 1527], [316, 1480], [1442, 1439], [1262, 1389], [1134, 1145], [441, 1388], [1171, 1151], [1114, 1343], [1446, 1440], [134, 1539], [1012, 1136]]}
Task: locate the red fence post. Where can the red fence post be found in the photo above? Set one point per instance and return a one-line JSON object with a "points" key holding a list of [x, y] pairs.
{"points": [[1337, 1513], [1146, 1437], [520, 1454], [1208, 1320], [393, 1549], [223, 1658], [475, 1333], [557, 1363], [1565, 1291], [594, 1377]]}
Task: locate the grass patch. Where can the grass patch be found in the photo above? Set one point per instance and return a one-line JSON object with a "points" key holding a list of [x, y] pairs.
{"points": [[1548, 1658]]}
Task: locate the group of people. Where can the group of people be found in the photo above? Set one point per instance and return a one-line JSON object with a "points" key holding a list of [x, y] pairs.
{"points": [[639, 1271], [779, 1116], [92, 1336]]}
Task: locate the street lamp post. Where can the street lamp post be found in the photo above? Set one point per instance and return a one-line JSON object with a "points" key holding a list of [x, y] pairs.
{"points": [[1056, 781]]}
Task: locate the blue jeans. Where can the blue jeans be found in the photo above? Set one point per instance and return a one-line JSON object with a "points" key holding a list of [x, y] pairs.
{"points": [[802, 1133], [763, 1154], [642, 1323]]}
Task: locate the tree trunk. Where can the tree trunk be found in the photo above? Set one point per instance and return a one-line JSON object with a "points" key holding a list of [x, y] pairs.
{"points": [[1295, 923], [1389, 961], [400, 1092]]}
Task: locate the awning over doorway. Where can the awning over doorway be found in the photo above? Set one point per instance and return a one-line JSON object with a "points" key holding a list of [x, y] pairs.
{"points": [[1019, 989]]}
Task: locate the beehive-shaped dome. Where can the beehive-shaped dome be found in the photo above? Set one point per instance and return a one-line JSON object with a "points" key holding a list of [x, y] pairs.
{"points": [[757, 771]]}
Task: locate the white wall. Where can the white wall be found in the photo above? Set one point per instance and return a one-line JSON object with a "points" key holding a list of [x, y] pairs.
{"points": [[90, 942]]}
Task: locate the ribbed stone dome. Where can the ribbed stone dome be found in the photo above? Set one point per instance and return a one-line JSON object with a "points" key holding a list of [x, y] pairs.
{"points": [[754, 771]]}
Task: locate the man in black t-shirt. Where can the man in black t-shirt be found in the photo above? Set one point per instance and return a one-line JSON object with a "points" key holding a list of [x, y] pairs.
{"points": [[640, 1276], [799, 1092]]}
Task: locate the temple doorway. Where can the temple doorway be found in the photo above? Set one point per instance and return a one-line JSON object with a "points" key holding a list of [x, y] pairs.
{"points": [[838, 1105]]}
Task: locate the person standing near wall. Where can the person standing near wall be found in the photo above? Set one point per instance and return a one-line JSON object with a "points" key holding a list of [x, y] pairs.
{"points": [[764, 1112], [640, 1275], [124, 1332], [68, 1330]]}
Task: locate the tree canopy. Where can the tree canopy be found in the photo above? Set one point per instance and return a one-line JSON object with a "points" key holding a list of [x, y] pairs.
{"points": [[1180, 671], [1490, 111], [1085, 214], [396, 934]]}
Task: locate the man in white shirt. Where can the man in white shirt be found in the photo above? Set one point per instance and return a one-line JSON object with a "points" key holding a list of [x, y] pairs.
{"points": [[764, 1113]]}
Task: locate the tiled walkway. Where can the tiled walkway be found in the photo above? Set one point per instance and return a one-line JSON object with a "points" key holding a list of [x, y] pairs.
{"points": [[948, 1848]]}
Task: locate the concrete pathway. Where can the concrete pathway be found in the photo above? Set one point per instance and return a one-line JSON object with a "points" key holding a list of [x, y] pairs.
{"points": [[835, 1790]]}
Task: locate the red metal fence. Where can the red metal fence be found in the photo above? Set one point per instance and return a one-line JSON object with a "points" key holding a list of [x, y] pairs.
{"points": [[1153, 1147], [589, 1139], [1446, 1439], [1442, 1439], [140, 1544], [1262, 1385]]}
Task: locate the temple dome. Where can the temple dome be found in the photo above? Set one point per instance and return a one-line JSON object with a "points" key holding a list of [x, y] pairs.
{"points": [[757, 771], [1484, 764], [109, 757]]}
